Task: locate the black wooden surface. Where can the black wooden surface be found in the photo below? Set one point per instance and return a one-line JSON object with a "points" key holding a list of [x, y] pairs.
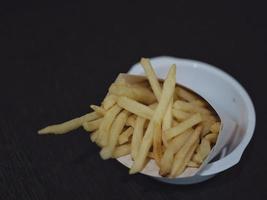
{"points": [[56, 59]]}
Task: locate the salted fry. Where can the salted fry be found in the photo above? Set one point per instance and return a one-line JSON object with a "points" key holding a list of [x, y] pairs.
{"points": [[167, 94], [122, 150], [157, 143], [137, 136], [215, 128], [183, 126], [180, 115], [192, 164], [144, 84], [197, 158], [131, 121], [93, 135], [115, 131], [147, 119], [185, 94], [105, 126], [69, 125], [188, 107], [141, 94], [212, 138], [109, 101], [199, 102], [125, 136], [167, 122], [135, 107], [179, 159], [98, 109], [92, 125], [152, 77], [173, 147], [204, 148]]}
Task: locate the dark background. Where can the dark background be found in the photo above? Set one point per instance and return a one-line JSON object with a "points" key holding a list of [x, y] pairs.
{"points": [[57, 59]]}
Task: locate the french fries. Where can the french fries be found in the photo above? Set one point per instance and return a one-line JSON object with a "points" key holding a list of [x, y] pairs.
{"points": [[152, 77], [109, 101], [122, 150], [189, 107], [135, 107], [184, 155], [167, 122], [141, 94], [92, 125], [105, 126], [93, 136], [131, 121], [137, 136], [125, 136], [115, 131], [167, 94], [98, 109], [185, 95], [69, 125], [183, 126], [174, 146], [150, 119]]}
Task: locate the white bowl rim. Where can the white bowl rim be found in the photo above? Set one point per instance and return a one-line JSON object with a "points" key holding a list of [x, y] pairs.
{"points": [[234, 157]]}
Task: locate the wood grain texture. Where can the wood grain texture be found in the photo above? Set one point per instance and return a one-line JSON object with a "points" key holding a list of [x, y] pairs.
{"points": [[56, 60]]}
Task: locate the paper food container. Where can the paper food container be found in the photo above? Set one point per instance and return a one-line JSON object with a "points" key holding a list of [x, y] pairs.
{"points": [[225, 95]]}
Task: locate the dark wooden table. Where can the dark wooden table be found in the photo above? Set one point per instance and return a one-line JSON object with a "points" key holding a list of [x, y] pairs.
{"points": [[57, 59]]}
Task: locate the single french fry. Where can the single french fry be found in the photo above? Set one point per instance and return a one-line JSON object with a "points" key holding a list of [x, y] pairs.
{"points": [[173, 147], [122, 150], [167, 122], [212, 137], [98, 109], [188, 107], [183, 126], [125, 136], [167, 94], [179, 160], [69, 125], [131, 121], [104, 127], [192, 164], [197, 158], [121, 81], [215, 128], [180, 115], [204, 148], [93, 135], [115, 131], [152, 77], [185, 94], [141, 94], [137, 136], [92, 125], [199, 102], [109, 101], [135, 107], [144, 84], [157, 143]]}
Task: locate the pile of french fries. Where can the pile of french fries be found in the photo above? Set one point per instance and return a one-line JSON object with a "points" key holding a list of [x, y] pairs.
{"points": [[152, 119]]}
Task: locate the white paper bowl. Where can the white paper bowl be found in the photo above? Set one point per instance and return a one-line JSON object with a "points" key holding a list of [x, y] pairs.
{"points": [[225, 94]]}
